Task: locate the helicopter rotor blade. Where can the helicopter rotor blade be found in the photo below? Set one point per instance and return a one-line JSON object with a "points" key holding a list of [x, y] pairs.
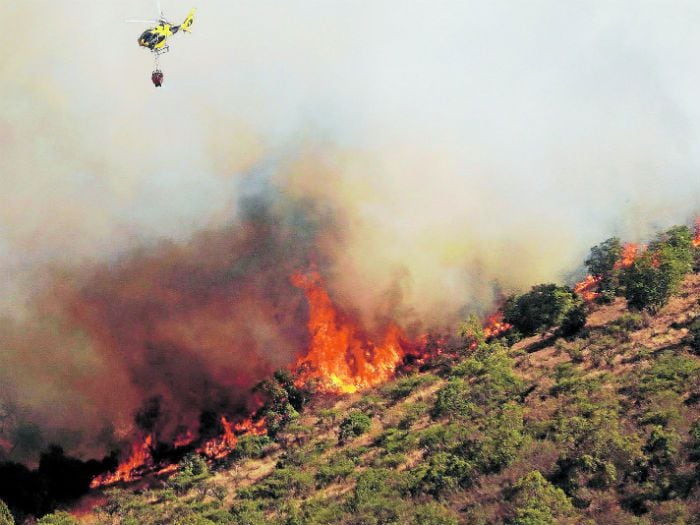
{"points": [[142, 21]]}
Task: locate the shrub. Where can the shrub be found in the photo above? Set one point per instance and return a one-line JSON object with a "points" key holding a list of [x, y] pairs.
{"points": [[443, 472], [247, 513], [282, 483], [328, 417], [433, 513], [375, 499], [543, 307], [339, 467], [502, 437], [192, 469], [668, 372], [538, 502], [413, 413], [391, 460], [630, 321], [404, 386], [282, 401], [574, 349], [251, 446], [355, 424], [394, 440], [670, 513], [491, 374], [568, 379], [694, 336], [5, 515], [574, 320], [58, 518], [454, 400], [472, 331], [443, 437]]}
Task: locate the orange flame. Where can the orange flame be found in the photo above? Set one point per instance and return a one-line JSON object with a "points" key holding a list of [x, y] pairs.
{"points": [[183, 439], [223, 445], [495, 325], [587, 289], [630, 252], [129, 470], [696, 238], [219, 447], [141, 460], [341, 358]]}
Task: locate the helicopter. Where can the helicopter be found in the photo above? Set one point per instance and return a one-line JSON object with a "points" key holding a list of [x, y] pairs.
{"points": [[155, 39]]}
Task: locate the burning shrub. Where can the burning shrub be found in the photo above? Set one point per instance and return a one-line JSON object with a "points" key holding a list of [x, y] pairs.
{"points": [[656, 275], [603, 263]]}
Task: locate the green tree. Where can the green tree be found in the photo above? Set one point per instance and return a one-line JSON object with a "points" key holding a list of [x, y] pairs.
{"points": [[542, 308], [602, 263], [5, 514]]}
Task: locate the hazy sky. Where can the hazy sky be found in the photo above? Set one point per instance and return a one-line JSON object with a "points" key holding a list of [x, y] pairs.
{"points": [[455, 134]]}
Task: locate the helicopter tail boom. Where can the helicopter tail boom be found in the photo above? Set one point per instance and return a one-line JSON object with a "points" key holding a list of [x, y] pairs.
{"points": [[185, 26]]}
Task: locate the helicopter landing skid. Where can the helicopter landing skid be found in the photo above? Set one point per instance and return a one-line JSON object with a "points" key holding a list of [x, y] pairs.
{"points": [[161, 51]]}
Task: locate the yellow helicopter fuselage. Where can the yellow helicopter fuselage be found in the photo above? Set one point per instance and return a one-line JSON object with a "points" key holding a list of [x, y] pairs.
{"points": [[156, 37]]}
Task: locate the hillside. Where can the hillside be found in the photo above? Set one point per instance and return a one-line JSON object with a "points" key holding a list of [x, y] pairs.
{"points": [[600, 428]]}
